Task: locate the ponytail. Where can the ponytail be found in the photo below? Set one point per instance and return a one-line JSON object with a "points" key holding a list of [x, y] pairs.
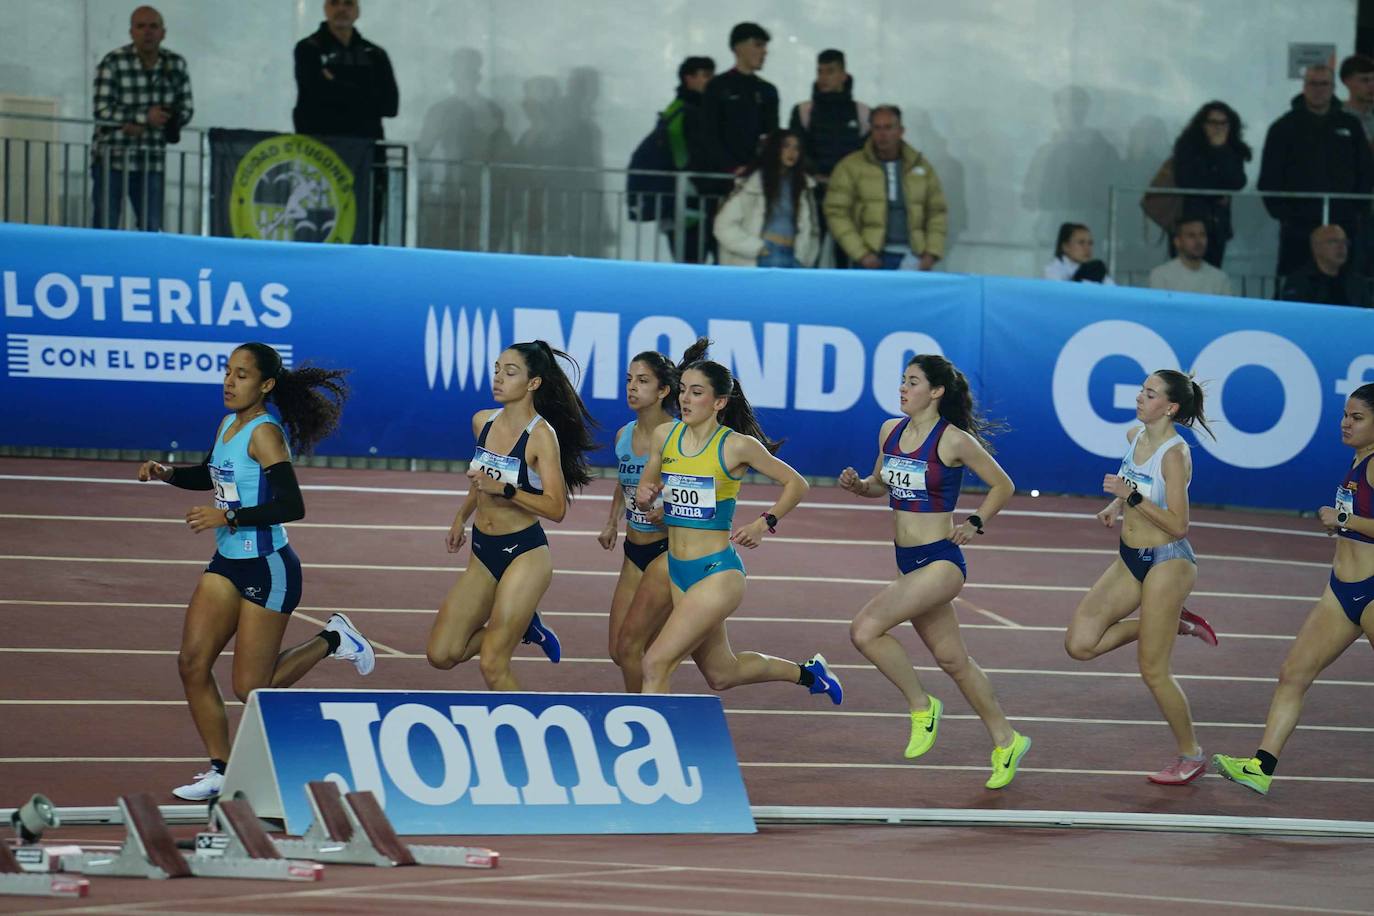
{"points": [[310, 399], [557, 401], [956, 405], [1187, 394], [737, 412]]}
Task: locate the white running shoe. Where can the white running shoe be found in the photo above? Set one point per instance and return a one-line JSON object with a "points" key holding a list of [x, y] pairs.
{"points": [[206, 787], [353, 646]]}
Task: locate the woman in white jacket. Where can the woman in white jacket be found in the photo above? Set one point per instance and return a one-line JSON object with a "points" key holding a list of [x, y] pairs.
{"points": [[771, 220]]}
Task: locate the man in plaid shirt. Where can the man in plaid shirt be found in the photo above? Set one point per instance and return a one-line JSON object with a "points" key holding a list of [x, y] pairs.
{"points": [[146, 91]]}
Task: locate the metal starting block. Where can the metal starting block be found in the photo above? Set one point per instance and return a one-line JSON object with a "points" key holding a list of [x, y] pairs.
{"points": [[354, 830], [14, 880], [149, 851]]}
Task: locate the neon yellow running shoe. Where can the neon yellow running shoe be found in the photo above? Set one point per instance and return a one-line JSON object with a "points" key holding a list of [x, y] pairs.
{"points": [[924, 727], [1247, 772], [1005, 759]]}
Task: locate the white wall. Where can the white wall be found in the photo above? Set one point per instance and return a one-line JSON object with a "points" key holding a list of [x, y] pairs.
{"points": [[1028, 108]]}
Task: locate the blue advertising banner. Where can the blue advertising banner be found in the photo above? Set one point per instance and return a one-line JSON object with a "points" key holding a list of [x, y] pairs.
{"points": [[819, 353], [484, 763]]}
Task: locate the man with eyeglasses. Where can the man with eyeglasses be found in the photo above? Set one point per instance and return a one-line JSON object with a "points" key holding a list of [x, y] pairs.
{"points": [[1315, 146]]}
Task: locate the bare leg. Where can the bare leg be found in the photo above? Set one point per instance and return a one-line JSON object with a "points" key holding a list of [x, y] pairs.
{"points": [[644, 620], [1166, 587], [457, 632], [1325, 634], [620, 606], [517, 595], [939, 630], [907, 598], [1097, 626], [697, 613], [211, 619], [723, 669], [258, 645]]}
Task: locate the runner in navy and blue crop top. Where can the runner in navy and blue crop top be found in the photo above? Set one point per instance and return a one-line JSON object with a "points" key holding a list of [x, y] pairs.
{"points": [[253, 582], [1341, 615], [529, 453], [920, 468]]}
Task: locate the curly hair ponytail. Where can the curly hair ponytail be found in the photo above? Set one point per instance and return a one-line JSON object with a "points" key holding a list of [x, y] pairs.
{"points": [[310, 399], [737, 413]]}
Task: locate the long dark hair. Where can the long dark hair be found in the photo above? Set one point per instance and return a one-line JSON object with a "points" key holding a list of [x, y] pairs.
{"points": [[557, 401], [1194, 136], [770, 168], [956, 404], [310, 399], [1187, 394], [668, 373], [1365, 393], [1066, 231], [737, 412]]}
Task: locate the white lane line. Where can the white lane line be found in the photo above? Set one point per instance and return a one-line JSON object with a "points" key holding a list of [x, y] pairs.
{"points": [[1010, 624], [864, 668], [841, 507], [614, 573]]}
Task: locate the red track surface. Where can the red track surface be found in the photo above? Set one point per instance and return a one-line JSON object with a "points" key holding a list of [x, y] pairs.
{"points": [[91, 702]]}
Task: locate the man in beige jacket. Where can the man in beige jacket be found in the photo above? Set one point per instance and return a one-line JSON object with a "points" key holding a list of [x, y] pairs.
{"points": [[885, 206]]}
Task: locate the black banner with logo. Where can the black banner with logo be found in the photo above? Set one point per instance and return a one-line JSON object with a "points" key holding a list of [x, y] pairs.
{"points": [[290, 187]]}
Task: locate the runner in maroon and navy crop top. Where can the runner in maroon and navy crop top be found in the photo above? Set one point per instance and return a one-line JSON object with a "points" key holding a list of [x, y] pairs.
{"points": [[920, 468]]}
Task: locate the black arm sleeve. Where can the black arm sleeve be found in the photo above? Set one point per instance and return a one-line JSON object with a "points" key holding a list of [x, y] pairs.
{"points": [[286, 504], [193, 477]]}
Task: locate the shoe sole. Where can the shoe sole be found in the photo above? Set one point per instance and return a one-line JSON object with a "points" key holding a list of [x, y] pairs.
{"points": [[1015, 763], [194, 798], [1204, 629], [1178, 782], [1240, 782]]}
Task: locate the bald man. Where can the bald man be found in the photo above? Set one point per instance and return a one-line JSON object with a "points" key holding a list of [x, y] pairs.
{"points": [[1328, 279], [142, 100]]}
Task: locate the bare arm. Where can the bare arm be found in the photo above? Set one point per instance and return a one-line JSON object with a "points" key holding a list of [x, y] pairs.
{"points": [[964, 449], [1175, 469], [651, 481], [741, 451], [542, 453]]}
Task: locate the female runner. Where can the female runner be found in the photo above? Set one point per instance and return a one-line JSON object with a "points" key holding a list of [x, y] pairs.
{"points": [[1157, 567], [697, 463], [530, 451], [642, 598], [920, 467], [1341, 614], [253, 582]]}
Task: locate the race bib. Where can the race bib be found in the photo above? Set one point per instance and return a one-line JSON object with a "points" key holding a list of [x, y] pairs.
{"points": [[905, 477], [1144, 484], [632, 512], [226, 491], [688, 496], [502, 468], [1345, 501]]}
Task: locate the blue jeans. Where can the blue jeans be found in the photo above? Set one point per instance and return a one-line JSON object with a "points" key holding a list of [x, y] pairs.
{"points": [[777, 255], [145, 190]]}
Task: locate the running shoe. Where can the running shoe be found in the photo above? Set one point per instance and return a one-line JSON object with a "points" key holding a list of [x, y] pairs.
{"points": [[544, 638], [1005, 760], [1181, 772], [353, 646], [924, 727], [1190, 624], [823, 681], [1246, 772], [206, 787]]}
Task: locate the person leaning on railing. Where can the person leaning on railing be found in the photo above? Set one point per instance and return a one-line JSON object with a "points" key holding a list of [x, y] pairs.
{"points": [[142, 100]]}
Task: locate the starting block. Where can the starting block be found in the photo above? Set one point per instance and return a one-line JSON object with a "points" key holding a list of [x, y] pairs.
{"points": [[354, 830], [14, 880], [149, 851]]}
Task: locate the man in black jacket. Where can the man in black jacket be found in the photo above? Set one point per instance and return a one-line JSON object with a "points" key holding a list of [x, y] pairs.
{"points": [[1327, 278], [831, 126], [344, 87], [740, 107], [1316, 146]]}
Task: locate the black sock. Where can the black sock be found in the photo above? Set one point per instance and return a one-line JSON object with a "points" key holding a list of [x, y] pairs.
{"points": [[1268, 762], [331, 637], [218, 765], [806, 678]]}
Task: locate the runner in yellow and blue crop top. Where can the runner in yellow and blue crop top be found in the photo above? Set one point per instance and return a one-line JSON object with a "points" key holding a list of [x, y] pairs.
{"points": [[1342, 613], [642, 598], [697, 463], [920, 468], [1156, 568], [530, 452], [253, 582]]}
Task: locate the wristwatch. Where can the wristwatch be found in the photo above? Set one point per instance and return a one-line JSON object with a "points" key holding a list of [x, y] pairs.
{"points": [[508, 491], [977, 522], [1342, 517], [771, 520], [231, 519], [1134, 499]]}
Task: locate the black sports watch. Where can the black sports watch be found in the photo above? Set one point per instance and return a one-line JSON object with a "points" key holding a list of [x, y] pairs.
{"points": [[976, 521], [1342, 517], [508, 491], [1134, 499], [771, 520], [231, 519]]}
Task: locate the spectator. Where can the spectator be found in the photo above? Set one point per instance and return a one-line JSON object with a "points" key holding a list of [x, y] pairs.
{"points": [[1357, 72], [1316, 146], [831, 126], [344, 87], [1211, 153], [885, 206], [146, 91], [1190, 272], [739, 108], [686, 144], [771, 220], [1327, 279], [1073, 257]]}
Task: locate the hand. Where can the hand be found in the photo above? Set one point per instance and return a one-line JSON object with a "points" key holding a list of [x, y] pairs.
{"points": [[203, 518], [1117, 486], [927, 262], [608, 536], [326, 74], [646, 494], [1108, 515], [851, 481], [751, 535], [655, 515], [763, 252], [483, 483], [131, 130], [963, 534], [158, 116], [153, 470], [457, 536], [1327, 515], [870, 261]]}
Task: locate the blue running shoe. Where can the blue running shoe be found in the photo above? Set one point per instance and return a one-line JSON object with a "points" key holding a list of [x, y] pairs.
{"points": [[824, 682], [544, 638]]}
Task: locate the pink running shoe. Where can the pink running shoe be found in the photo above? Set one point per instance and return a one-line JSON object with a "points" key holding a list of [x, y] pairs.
{"points": [[1181, 772], [1190, 624]]}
